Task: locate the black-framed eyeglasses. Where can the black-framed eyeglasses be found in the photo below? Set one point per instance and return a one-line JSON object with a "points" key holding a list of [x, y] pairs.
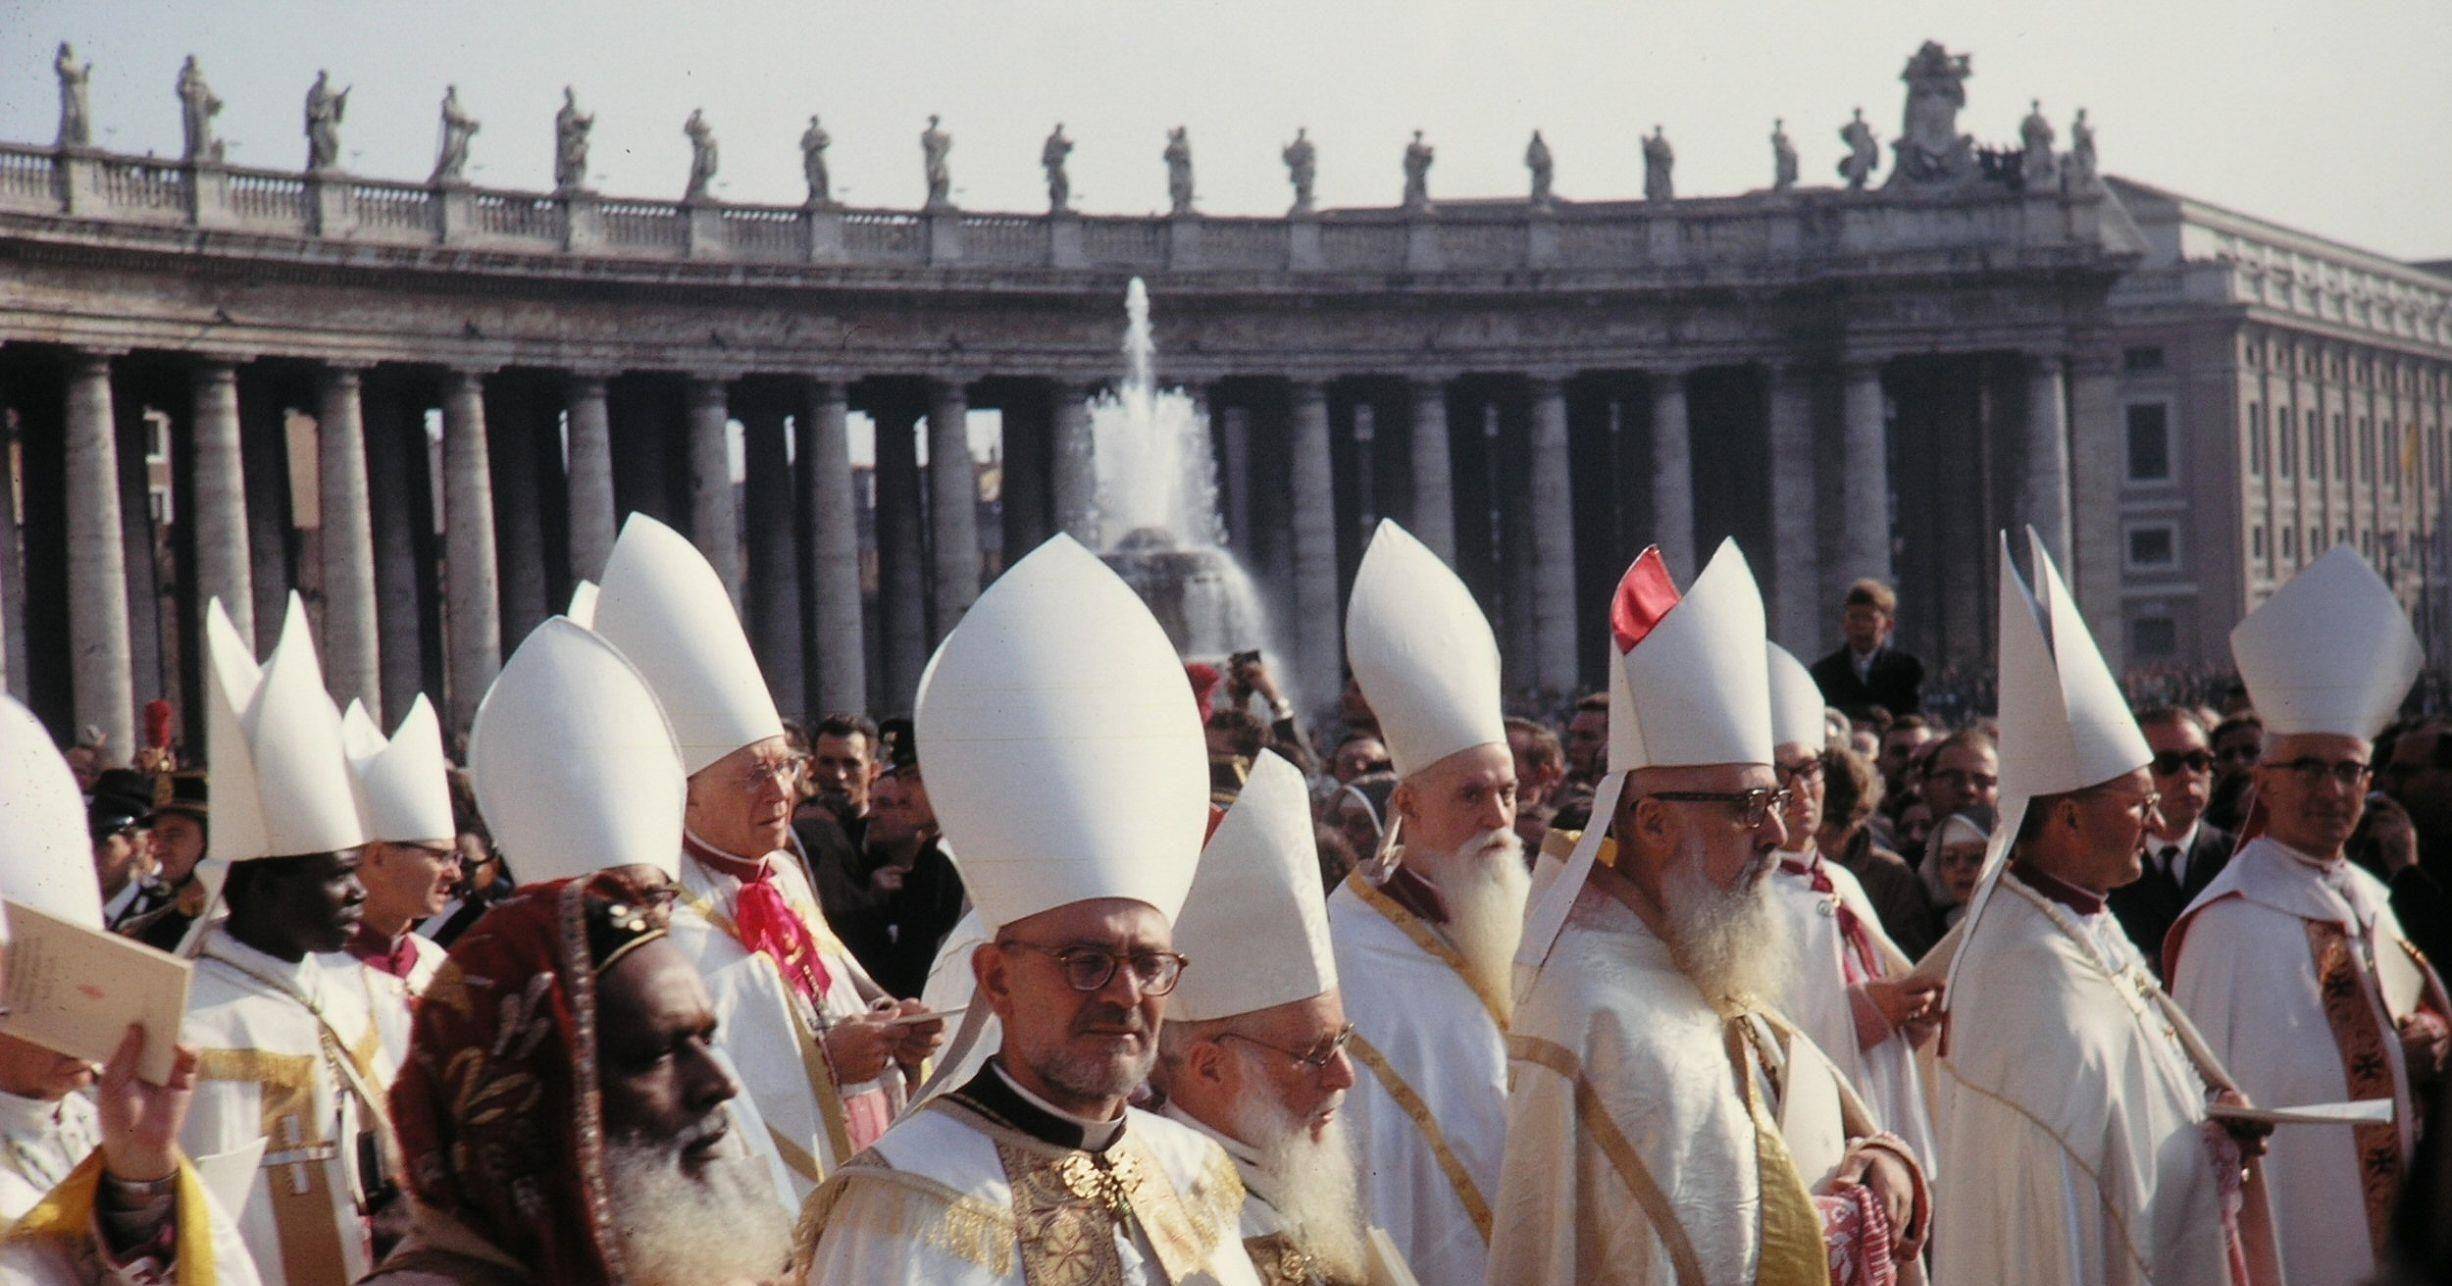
{"points": [[2171, 761], [2342, 772], [1801, 770], [1315, 1061], [1751, 806], [1090, 968]]}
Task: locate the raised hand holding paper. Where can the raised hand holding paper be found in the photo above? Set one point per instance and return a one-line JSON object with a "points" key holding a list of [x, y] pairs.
{"points": [[75, 990]]}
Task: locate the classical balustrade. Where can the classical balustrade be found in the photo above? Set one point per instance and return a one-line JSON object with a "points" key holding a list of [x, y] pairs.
{"points": [[1764, 234]]}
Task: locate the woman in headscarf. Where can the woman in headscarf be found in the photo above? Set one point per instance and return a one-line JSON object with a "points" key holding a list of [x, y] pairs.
{"points": [[1954, 861]]}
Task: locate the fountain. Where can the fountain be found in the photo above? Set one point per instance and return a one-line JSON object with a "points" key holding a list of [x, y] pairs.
{"points": [[1158, 518]]}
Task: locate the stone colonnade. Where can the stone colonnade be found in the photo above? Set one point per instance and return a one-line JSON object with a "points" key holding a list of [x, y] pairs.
{"points": [[431, 558]]}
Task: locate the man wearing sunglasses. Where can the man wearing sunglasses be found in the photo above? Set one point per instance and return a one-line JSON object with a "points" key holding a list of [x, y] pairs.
{"points": [[2292, 962], [1663, 1124], [1071, 779], [2183, 852], [1254, 1056]]}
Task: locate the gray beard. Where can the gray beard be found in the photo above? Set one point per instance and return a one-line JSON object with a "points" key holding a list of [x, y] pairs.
{"points": [[1484, 884], [725, 1224], [1315, 1187], [1727, 941]]}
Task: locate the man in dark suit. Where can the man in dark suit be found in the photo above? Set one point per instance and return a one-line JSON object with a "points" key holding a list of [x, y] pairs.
{"points": [[1866, 671], [2183, 851]]}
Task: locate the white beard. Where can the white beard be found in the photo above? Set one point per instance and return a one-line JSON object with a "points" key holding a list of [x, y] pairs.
{"points": [[1726, 940], [1316, 1189], [1484, 884], [724, 1225]]}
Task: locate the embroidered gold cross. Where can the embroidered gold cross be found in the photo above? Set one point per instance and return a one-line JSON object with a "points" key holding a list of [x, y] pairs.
{"points": [[1109, 1186]]}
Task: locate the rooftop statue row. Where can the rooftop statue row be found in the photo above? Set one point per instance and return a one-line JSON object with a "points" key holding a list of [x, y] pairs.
{"points": [[1931, 154]]}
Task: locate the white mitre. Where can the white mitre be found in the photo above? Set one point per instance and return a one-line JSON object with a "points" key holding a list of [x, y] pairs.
{"points": [[1688, 687], [665, 607], [1256, 924], [1422, 652], [1063, 752], [2331, 651], [582, 609], [46, 860], [572, 762], [282, 786], [1797, 710], [404, 783], [2064, 723]]}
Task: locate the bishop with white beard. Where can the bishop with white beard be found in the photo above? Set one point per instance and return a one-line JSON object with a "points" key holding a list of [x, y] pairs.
{"points": [[1665, 1125], [2291, 961], [1253, 1052], [1424, 932]]}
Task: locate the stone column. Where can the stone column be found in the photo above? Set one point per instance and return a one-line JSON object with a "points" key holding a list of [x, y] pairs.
{"points": [[1673, 476], [97, 559], [771, 595], [2043, 496], [1024, 488], [1236, 435], [1317, 613], [1433, 520], [519, 417], [593, 524], [224, 568], [715, 520], [1553, 540], [1864, 520], [1795, 560], [473, 602], [833, 604], [953, 506], [400, 490], [2099, 450], [902, 594], [352, 651], [1073, 464]]}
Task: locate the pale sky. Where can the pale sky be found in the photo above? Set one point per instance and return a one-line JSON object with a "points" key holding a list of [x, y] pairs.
{"points": [[2328, 115]]}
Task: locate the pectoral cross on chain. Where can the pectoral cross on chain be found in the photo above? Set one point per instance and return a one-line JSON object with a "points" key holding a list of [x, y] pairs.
{"points": [[298, 1155]]}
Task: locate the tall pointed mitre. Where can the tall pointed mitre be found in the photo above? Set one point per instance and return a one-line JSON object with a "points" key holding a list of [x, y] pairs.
{"points": [[1796, 702], [573, 763], [582, 610], [2331, 651], [1688, 687], [1063, 761], [1256, 923], [1423, 653], [2064, 724], [404, 783], [46, 861], [282, 786], [665, 607]]}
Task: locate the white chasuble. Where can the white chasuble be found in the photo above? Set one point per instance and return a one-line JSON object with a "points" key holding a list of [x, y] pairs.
{"points": [[56, 1242], [1428, 1111], [1635, 1153], [1818, 998], [772, 1039], [952, 1196], [2296, 973], [270, 1070], [2072, 1122], [41, 1143]]}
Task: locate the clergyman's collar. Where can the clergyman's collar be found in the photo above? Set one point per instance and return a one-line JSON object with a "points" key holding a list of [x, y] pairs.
{"points": [[993, 1094]]}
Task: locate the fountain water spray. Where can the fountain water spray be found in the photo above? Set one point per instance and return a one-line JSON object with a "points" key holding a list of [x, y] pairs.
{"points": [[1158, 520]]}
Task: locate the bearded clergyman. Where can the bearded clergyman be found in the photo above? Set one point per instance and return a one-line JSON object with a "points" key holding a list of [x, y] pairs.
{"points": [[565, 1114], [1665, 1124], [1425, 931], [1253, 1053], [1071, 777]]}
